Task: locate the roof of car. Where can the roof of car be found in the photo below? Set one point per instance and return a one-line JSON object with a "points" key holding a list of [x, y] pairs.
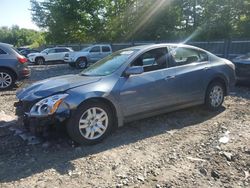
{"points": [[143, 47], [5, 44]]}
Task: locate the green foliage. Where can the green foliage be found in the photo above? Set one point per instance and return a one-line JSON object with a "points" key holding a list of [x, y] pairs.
{"points": [[67, 21], [21, 37]]}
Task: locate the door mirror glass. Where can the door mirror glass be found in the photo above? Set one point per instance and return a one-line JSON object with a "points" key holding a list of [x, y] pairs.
{"points": [[134, 70]]}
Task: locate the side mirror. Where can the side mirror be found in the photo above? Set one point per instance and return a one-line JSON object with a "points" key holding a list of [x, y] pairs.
{"points": [[134, 70]]}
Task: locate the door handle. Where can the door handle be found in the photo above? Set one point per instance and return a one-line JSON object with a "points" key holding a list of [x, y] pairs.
{"points": [[170, 77]]}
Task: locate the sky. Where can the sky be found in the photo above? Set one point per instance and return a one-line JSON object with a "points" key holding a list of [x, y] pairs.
{"points": [[16, 12]]}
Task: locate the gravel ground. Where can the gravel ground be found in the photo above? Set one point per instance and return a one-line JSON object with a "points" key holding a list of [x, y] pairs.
{"points": [[187, 148]]}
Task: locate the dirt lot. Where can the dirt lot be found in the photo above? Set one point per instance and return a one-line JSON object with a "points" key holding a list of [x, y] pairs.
{"points": [[179, 149]]}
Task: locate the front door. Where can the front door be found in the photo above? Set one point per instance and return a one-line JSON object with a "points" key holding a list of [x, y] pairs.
{"points": [[51, 56], [95, 54], [147, 92]]}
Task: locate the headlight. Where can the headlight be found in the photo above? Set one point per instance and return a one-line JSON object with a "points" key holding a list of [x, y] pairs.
{"points": [[48, 105]]}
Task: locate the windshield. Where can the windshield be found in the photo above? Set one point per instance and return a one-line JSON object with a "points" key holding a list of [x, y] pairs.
{"points": [[109, 64], [45, 51], [85, 49]]}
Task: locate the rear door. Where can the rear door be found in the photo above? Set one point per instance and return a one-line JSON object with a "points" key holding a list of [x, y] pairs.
{"points": [[106, 50], [61, 53], [191, 67]]}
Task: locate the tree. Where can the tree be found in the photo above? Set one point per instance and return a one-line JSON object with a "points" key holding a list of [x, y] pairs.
{"points": [[70, 21], [20, 37]]}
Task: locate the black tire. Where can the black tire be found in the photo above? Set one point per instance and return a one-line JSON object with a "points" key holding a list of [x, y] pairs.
{"points": [[73, 123], [10, 79], [212, 102], [39, 61], [81, 63]]}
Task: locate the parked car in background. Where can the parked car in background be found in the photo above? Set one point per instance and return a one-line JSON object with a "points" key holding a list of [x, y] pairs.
{"points": [[49, 54], [13, 66], [22, 48], [128, 85], [242, 64], [27, 51], [92, 54]]}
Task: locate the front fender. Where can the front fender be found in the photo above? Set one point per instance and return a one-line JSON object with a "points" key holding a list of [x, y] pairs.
{"points": [[77, 98]]}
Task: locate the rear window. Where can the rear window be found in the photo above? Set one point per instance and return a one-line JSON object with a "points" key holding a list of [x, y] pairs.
{"points": [[2, 52], [62, 50]]}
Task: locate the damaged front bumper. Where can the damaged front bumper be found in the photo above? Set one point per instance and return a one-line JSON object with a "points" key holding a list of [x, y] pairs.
{"points": [[40, 124]]}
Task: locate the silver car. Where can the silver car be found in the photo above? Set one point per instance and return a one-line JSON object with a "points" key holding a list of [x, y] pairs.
{"points": [[13, 66], [128, 85]]}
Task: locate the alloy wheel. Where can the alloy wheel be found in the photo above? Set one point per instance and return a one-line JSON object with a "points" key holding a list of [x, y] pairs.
{"points": [[216, 96], [93, 123], [5, 80], [82, 63], [40, 61]]}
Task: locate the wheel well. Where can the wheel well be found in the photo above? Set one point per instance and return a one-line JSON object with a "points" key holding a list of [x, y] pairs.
{"points": [[39, 57], [107, 102], [9, 69], [82, 58], [222, 81]]}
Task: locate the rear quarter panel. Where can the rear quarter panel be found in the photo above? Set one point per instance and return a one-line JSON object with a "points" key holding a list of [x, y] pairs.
{"points": [[220, 69], [10, 62]]}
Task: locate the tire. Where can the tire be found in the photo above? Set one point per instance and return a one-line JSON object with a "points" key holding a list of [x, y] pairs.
{"points": [[39, 61], [81, 63], [7, 79], [215, 96], [92, 131]]}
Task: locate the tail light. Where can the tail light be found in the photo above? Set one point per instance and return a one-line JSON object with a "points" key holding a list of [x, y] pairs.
{"points": [[22, 59]]}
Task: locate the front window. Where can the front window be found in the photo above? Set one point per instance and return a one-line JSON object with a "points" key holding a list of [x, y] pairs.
{"points": [[109, 64]]}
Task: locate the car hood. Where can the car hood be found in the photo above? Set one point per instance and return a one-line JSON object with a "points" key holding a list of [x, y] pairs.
{"points": [[54, 85]]}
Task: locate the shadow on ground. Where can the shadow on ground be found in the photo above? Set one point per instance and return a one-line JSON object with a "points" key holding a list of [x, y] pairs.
{"points": [[19, 160]]}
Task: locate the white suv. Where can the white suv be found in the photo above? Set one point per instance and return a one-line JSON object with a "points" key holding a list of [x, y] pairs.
{"points": [[81, 59], [49, 54]]}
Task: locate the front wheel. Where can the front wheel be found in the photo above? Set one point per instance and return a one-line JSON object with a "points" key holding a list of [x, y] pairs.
{"points": [[39, 61], [91, 123], [81, 63], [215, 96]]}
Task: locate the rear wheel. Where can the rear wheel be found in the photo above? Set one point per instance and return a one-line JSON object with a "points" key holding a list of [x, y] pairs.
{"points": [[215, 96], [81, 63], [40, 61], [91, 123], [7, 79]]}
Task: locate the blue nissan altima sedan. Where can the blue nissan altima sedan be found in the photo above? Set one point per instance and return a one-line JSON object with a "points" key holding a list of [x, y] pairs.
{"points": [[130, 84]]}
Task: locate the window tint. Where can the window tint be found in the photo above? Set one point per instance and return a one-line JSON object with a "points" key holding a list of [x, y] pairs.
{"points": [[2, 52], [62, 50], [95, 49], [106, 49], [183, 56], [152, 60]]}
